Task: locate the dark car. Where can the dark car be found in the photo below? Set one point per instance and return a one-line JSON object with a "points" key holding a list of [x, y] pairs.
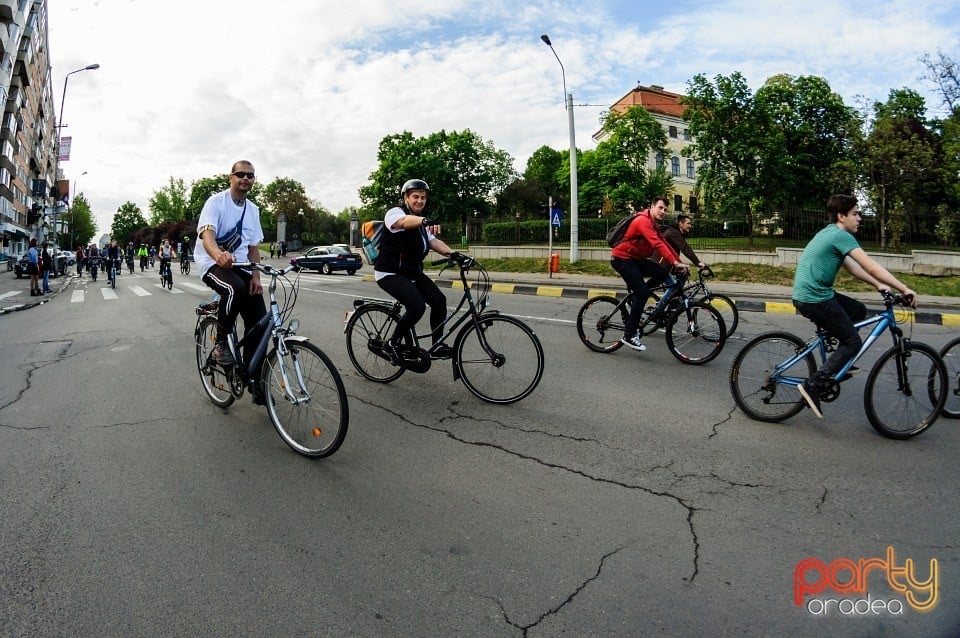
{"points": [[326, 259], [20, 268]]}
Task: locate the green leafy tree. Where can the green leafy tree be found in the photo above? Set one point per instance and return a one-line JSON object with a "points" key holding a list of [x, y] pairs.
{"points": [[464, 173], [544, 172], [126, 220], [169, 204], [283, 195], [82, 222], [201, 190]]}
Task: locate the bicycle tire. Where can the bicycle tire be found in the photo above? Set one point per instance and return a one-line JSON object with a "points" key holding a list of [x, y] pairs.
{"points": [[695, 334], [597, 324], [316, 425], [214, 381], [754, 392], [508, 368], [901, 415], [950, 354], [727, 309], [367, 330]]}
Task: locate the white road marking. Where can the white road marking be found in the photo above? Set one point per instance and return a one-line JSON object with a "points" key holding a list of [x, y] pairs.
{"points": [[77, 296]]}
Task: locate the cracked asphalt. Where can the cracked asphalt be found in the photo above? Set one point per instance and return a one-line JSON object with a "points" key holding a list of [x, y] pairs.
{"points": [[627, 496]]}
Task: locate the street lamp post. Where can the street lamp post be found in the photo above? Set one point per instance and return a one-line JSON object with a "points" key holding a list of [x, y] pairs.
{"points": [[63, 99], [574, 205], [72, 212], [300, 229]]}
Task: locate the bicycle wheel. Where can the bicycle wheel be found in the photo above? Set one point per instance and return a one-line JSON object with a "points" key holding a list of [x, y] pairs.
{"points": [[727, 309], [600, 324], [499, 358], [755, 391], [367, 331], [649, 327], [951, 359], [696, 334], [905, 391], [313, 421], [215, 382]]}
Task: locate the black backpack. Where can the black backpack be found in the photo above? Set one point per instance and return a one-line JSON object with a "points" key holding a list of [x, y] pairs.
{"points": [[615, 236]]}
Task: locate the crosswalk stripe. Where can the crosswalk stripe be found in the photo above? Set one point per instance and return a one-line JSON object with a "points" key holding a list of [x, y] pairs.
{"points": [[197, 287], [12, 293], [76, 296], [140, 292], [175, 291], [108, 293]]}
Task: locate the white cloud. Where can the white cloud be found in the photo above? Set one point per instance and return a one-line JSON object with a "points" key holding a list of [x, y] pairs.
{"points": [[308, 89]]}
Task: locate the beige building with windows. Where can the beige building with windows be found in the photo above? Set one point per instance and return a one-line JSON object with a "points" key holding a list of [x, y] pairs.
{"points": [[28, 139], [667, 110]]}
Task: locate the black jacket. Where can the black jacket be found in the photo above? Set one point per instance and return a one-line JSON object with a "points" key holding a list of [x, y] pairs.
{"points": [[402, 252]]}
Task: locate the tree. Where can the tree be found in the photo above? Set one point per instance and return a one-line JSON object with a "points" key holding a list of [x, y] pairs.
{"points": [[283, 195], [202, 189], [169, 204], [127, 219], [944, 73], [544, 173], [463, 171], [81, 220]]}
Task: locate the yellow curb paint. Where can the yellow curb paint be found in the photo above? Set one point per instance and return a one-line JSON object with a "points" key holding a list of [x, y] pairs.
{"points": [[950, 320], [781, 308], [507, 288], [549, 291], [601, 293]]}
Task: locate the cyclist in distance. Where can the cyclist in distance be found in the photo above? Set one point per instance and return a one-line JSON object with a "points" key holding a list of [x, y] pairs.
{"points": [[185, 253], [398, 269], [815, 298], [631, 259], [144, 256], [114, 258], [166, 255], [229, 231], [676, 236]]}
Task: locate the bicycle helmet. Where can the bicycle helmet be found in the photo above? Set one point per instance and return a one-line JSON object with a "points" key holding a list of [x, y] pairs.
{"points": [[413, 185]]}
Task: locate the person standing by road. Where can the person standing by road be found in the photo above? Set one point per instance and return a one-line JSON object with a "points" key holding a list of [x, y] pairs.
{"points": [[45, 266], [814, 297], [33, 267], [81, 257], [229, 231], [631, 259], [407, 238]]}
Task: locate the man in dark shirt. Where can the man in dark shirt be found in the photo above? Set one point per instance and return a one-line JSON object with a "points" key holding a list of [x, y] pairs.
{"points": [[676, 236]]}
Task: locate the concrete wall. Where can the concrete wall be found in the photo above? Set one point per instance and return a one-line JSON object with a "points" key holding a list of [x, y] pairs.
{"points": [[920, 262]]}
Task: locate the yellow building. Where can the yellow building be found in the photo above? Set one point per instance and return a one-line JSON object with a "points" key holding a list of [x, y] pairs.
{"points": [[667, 110]]}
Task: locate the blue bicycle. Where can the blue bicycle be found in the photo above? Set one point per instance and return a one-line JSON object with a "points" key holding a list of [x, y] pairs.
{"points": [[904, 393]]}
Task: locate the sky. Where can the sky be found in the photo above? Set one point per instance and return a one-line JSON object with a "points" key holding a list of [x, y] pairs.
{"points": [[307, 89]]}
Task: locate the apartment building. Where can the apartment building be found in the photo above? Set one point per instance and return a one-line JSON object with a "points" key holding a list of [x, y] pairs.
{"points": [[28, 134], [667, 110]]}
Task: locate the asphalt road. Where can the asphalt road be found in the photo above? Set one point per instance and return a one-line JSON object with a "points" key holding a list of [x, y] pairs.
{"points": [[625, 497]]}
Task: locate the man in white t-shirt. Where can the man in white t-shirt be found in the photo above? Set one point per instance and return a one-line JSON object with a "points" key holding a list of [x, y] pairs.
{"points": [[240, 290]]}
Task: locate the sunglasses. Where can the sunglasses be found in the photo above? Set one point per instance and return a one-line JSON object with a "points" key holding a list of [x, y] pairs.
{"points": [[241, 175]]}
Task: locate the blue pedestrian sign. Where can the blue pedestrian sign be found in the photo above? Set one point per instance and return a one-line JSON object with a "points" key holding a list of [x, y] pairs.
{"points": [[556, 216]]}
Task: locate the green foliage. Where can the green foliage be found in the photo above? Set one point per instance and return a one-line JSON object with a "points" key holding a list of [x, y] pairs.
{"points": [[463, 171], [81, 218], [283, 196], [169, 203], [201, 190], [127, 219]]}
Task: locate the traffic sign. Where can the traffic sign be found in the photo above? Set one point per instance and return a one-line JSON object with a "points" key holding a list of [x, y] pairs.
{"points": [[556, 216]]}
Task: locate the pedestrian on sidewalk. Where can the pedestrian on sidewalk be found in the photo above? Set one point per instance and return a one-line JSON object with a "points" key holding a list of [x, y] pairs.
{"points": [[33, 268], [273, 249], [46, 260]]}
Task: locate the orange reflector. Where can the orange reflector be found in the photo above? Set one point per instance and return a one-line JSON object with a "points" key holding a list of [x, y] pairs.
{"points": [[317, 432]]}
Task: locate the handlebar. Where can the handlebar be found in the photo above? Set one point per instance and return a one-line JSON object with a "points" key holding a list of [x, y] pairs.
{"points": [[266, 268], [895, 298], [461, 260]]}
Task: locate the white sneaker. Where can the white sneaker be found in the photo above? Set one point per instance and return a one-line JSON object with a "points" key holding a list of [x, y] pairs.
{"points": [[633, 342]]}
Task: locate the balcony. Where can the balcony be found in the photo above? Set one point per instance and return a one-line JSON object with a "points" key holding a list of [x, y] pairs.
{"points": [[8, 8]]}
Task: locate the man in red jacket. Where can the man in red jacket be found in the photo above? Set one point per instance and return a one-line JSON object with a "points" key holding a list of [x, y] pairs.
{"points": [[630, 258]]}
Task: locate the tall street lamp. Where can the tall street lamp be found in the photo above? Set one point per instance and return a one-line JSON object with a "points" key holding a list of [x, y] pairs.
{"points": [[72, 212], [63, 99], [568, 104]]}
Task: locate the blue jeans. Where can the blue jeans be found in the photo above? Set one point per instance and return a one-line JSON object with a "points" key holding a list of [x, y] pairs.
{"points": [[46, 280], [836, 316]]}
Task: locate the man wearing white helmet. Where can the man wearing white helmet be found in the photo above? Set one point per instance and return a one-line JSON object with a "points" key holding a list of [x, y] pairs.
{"points": [[407, 238]]}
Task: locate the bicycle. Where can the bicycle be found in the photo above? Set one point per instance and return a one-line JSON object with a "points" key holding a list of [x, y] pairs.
{"points": [[166, 274], [698, 290], [950, 354], [904, 392], [695, 330], [301, 387], [114, 271], [184, 265], [497, 357]]}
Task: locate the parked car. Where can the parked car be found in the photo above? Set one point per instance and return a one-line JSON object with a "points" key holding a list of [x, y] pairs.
{"points": [[326, 259], [20, 268]]}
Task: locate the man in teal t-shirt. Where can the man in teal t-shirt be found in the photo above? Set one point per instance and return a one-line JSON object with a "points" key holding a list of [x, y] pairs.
{"points": [[815, 298]]}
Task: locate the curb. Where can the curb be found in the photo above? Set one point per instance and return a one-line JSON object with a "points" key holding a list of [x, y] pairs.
{"points": [[54, 291], [744, 304]]}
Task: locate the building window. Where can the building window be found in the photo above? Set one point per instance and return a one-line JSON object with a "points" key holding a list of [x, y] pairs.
{"points": [[659, 161], [678, 203], [686, 134], [673, 131], [675, 166], [690, 172], [693, 204]]}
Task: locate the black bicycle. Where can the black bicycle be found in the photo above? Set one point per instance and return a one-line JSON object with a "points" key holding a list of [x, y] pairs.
{"points": [[184, 264], [300, 385], [166, 274], [497, 357], [698, 291], [695, 330], [950, 354]]}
